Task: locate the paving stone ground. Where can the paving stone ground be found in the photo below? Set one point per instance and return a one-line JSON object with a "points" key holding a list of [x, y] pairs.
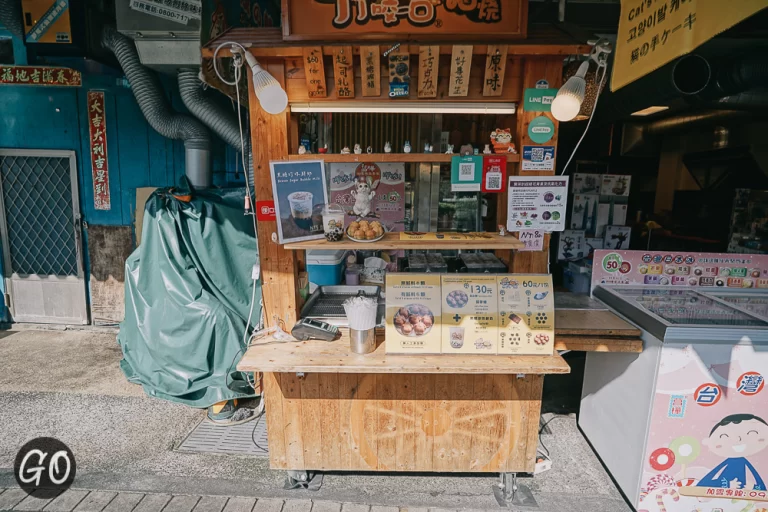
{"points": [[81, 500]]}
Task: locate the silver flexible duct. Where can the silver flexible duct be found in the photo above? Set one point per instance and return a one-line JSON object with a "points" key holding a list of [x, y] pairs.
{"points": [[221, 120], [157, 110]]}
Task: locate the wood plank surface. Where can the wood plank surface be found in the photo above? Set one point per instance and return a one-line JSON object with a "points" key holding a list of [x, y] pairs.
{"points": [[343, 72], [593, 322], [429, 60], [370, 64], [335, 357], [461, 67], [386, 157], [314, 72], [598, 344], [495, 67], [392, 241], [419, 422]]}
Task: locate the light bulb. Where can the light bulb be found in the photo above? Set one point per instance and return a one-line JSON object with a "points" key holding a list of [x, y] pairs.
{"points": [[567, 103], [273, 99]]}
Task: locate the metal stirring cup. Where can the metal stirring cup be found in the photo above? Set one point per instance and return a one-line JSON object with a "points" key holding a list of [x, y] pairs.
{"points": [[362, 342]]}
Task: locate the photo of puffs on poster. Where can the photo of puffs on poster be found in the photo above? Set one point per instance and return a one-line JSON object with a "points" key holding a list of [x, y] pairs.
{"points": [[708, 445]]}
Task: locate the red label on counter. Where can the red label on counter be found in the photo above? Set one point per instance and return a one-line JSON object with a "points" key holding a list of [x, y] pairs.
{"points": [[265, 210]]}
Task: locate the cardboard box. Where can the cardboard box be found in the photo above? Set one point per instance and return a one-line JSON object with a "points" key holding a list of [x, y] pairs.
{"points": [[470, 322], [615, 185], [413, 314], [571, 245], [584, 212], [617, 237], [586, 183], [526, 314]]}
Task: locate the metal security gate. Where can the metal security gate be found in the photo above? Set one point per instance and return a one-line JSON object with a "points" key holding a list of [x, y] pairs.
{"points": [[40, 229]]}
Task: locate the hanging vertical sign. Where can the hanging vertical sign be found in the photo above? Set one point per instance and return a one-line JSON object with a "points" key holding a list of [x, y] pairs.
{"points": [[399, 73], [428, 66], [461, 61], [314, 72], [97, 129], [494, 173], [371, 66], [344, 74], [495, 66]]}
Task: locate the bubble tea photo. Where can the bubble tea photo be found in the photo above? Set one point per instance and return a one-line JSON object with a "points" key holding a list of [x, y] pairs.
{"points": [[300, 196]]}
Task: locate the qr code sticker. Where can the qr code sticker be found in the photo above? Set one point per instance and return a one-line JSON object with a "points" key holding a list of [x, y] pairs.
{"points": [[493, 181], [537, 154], [466, 172]]}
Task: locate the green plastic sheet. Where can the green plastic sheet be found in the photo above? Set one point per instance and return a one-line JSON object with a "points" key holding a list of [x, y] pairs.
{"points": [[188, 292]]}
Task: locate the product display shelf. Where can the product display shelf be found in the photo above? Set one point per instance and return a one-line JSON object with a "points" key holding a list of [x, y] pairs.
{"points": [[388, 157], [391, 241]]}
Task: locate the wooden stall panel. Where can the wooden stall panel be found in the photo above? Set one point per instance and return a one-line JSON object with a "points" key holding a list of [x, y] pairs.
{"points": [[314, 70], [370, 62], [414, 422], [343, 72], [495, 65], [429, 61], [461, 67]]}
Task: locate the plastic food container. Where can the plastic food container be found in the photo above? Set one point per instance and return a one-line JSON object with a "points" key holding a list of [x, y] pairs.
{"points": [[417, 263], [473, 262], [492, 263], [325, 267], [436, 262]]}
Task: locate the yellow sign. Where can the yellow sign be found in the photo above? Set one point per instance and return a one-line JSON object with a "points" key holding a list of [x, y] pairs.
{"points": [[446, 236], [655, 32]]}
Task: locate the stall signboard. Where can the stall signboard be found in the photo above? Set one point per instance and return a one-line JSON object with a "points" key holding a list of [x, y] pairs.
{"points": [[466, 173], [97, 132], [538, 158], [537, 202], [330, 20], [533, 239], [448, 236], [706, 449], [470, 314], [299, 192], [413, 313], [494, 173], [652, 34], [352, 183], [40, 75], [526, 314], [539, 100], [661, 268]]}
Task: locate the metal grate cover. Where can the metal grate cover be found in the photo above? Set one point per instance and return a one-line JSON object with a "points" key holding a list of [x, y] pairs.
{"points": [[209, 437], [37, 192]]}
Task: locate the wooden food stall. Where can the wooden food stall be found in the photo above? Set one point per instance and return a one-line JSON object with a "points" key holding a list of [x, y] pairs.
{"points": [[328, 409]]}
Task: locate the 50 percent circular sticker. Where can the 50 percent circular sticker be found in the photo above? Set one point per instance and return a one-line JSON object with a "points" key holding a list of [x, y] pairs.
{"points": [[612, 262]]}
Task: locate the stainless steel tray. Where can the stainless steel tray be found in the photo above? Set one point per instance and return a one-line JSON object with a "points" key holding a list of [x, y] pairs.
{"points": [[325, 303]]}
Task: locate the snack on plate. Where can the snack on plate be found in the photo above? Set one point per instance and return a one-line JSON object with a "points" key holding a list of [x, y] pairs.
{"points": [[541, 339], [365, 230], [414, 320]]}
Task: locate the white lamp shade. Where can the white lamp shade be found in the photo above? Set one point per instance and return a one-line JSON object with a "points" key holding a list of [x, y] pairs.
{"points": [[567, 103], [273, 98]]}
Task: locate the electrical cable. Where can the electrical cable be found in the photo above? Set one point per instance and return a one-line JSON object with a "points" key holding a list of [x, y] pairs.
{"points": [[215, 54], [591, 116], [541, 441]]}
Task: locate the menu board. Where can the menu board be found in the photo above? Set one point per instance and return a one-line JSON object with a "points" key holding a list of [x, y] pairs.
{"points": [[537, 202], [378, 186], [470, 322], [659, 268], [526, 314], [413, 313], [449, 236]]}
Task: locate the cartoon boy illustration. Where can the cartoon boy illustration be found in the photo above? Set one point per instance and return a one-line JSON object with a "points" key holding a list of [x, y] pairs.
{"points": [[736, 437]]}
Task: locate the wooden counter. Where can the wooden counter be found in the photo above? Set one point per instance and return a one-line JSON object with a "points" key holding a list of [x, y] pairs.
{"points": [[391, 241]]}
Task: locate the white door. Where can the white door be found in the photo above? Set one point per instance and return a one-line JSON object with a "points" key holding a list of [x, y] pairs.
{"points": [[40, 225]]}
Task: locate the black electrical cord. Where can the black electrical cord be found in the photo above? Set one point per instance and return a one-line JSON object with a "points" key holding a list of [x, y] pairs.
{"points": [[253, 432], [541, 441]]}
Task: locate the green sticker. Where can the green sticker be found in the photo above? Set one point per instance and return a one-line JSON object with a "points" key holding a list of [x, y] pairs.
{"points": [[612, 262], [541, 130], [539, 100]]}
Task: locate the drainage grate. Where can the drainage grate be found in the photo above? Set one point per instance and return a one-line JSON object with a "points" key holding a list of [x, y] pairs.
{"points": [[209, 437]]}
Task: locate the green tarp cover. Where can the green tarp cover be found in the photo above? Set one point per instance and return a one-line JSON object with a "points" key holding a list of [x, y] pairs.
{"points": [[188, 290]]}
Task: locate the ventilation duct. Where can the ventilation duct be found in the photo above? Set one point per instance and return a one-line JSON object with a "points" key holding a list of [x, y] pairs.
{"points": [[159, 114], [222, 121]]}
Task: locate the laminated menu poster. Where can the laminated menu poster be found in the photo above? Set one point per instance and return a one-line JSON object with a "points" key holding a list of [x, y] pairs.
{"points": [[526, 314], [697, 269], [470, 322], [375, 190], [537, 202], [299, 192], [413, 313]]}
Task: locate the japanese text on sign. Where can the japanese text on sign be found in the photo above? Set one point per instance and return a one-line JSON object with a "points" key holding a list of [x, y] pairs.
{"points": [[97, 128], [35, 75], [415, 12], [654, 32]]}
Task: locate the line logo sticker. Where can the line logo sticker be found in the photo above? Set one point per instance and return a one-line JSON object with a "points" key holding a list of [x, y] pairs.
{"points": [[750, 383], [707, 394]]}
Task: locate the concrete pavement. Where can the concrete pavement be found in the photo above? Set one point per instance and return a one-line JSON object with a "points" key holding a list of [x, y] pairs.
{"points": [[66, 384]]}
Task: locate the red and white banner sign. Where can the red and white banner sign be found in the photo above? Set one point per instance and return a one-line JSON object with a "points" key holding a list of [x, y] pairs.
{"points": [[97, 127], [40, 75]]}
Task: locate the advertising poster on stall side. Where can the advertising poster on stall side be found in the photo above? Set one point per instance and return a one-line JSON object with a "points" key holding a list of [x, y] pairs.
{"points": [[526, 314], [537, 202], [350, 183], [298, 189], [695, 269], [707, 449], [470, 314]]}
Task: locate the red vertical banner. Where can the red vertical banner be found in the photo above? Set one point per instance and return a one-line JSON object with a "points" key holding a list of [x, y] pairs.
{"points": [[97, 127], [494, 173]]}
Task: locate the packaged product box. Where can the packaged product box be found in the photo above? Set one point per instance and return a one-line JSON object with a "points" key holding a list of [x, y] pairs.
{"points": [[470, 314], [584, 183], [584, 212], [571, 245], [617, 237], [413, 313], [615, 185], [526, 314]]}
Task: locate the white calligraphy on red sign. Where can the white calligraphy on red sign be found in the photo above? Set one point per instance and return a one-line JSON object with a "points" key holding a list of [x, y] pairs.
{"points": [[97, 127]]}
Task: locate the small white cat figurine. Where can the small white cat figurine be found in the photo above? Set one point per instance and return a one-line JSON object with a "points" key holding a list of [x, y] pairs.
{"points": [[487, 149], [387, 147], [345, 150], [358, 149], [449, 151], [302, 149], [407, 147], [427, 147]]}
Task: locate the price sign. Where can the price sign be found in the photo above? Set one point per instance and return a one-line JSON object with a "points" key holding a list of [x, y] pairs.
{"points": [[533, 239]]}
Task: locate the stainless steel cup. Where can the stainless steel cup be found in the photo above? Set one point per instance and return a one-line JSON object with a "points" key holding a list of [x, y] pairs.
{"points": [[362, 342]]}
